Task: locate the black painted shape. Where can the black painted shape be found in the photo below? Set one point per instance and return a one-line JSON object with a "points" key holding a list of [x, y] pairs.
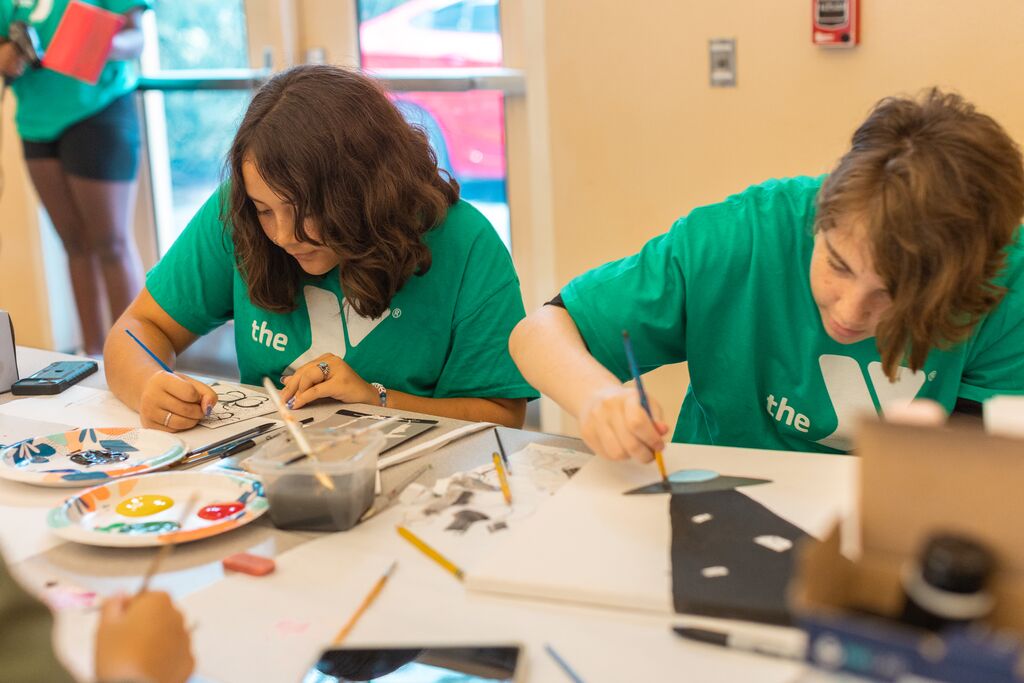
{"points": [[720, 483], [755, 589], [97, 457]]}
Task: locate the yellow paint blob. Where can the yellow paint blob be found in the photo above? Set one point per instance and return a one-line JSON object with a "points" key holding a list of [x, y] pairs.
{"points": [[144, 505]]}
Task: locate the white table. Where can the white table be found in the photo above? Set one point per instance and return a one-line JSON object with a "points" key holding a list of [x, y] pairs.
{"points": [[421, 604]]}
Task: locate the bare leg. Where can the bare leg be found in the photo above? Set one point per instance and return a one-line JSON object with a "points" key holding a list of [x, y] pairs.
{"points": [[107, 209], [52, 185]]}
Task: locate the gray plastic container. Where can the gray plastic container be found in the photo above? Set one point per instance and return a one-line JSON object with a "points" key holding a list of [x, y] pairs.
{"points": [[295, 485]]}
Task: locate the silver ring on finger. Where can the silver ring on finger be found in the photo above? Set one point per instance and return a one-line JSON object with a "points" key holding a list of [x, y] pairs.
{"points": [[167, 420], [325, 369]]}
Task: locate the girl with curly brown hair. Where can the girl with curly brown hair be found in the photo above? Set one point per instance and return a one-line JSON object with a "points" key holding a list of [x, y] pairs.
{"points": [[802, 303], [347, 261]]}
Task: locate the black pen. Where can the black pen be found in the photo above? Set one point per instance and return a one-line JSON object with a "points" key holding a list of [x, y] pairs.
{"points": [[792, 648], [235, 447], [252, 431]]}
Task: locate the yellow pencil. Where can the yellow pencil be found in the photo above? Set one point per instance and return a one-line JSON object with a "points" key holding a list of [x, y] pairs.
{"points": [[429, 552], [367, 601], [500, 467]]}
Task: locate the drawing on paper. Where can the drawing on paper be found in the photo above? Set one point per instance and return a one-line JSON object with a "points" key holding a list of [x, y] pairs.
{"points": [[235, 404], [471, 503]]}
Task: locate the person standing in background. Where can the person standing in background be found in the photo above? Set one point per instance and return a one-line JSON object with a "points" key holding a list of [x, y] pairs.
{"points": [[81, 146]]}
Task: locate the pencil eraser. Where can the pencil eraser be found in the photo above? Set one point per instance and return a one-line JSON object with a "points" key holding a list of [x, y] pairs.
{"points": [[249, 564]]}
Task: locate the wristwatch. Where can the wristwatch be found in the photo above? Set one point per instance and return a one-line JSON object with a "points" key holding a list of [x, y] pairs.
{"points": [[381, 392]]}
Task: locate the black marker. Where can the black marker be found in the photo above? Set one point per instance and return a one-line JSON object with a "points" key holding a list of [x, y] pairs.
{"points": [[235, 446], [795, 648], [253, 431]]}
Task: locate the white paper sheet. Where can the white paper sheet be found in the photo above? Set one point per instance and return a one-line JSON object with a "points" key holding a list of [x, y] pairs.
{"points": [[15, 429], [592, 544], [271, 628], [465, 515], [77, 406]]}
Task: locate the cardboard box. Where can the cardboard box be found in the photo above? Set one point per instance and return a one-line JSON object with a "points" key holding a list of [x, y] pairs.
{"points": [[916, 481]]}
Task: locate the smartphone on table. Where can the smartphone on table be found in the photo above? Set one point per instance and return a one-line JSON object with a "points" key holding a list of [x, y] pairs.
{"points": [[54, 378], [429, 664]]}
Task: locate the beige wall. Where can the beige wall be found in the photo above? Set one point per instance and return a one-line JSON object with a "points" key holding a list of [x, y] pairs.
{"points": [[639, 138], [22, 278]]}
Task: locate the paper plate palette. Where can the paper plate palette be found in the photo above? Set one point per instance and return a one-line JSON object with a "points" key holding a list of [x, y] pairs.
{"points": [[159, 508], [81, 457]]}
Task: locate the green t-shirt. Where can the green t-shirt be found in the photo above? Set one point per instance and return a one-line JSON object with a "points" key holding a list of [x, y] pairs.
{"points": [[49, 102], [444, 335], [728, 289]]}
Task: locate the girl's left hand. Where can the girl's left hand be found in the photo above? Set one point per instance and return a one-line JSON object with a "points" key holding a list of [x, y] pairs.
{"points": [[326, 377]]}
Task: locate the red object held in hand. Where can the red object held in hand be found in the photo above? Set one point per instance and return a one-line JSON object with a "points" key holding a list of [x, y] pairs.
{"points": [[80, 45], [249, 564]]}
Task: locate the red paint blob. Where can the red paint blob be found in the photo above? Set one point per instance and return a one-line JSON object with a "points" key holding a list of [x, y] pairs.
{"points": [[220, 510]]}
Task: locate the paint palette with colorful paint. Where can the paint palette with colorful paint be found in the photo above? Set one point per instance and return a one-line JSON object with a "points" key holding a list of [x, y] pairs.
{"points": [[81, 457], [159, 508]]}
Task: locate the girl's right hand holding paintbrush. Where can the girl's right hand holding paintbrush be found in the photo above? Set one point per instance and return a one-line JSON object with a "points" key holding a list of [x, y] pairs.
{"points": [[143, 638], [615, 425], [137, 360], [173, 402]]}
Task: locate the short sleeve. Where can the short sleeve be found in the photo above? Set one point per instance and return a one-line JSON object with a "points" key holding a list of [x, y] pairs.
{"points": [[478, 363], [194, 281], [643, 294], [124, 6], [995, 362]]}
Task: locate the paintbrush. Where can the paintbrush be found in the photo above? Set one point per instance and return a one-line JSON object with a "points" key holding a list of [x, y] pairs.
{"points": [[501, 449], [165, 551], [367, 601], [296, 431], [635, 370], [562, 664], [394, 493]]}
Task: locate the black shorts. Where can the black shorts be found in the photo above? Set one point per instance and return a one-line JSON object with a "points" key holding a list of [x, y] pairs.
{"points": [[104, 146]]}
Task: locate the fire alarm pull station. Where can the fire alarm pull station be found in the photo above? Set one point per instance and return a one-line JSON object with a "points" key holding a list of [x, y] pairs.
{"points": [[836, 23]]}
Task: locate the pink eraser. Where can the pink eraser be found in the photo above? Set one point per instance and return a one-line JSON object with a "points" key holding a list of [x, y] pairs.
{"points": [[249, 564]]}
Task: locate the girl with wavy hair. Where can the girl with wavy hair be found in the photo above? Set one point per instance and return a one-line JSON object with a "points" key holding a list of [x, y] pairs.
{"points": [[347, 261], [802, 303]]}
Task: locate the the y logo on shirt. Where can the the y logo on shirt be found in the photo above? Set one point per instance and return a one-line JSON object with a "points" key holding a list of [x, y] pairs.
{"points": [[327, 331], [851, 397], [40, 9], [849, 389]]}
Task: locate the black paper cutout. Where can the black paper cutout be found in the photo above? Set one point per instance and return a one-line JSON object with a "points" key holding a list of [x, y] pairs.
{"points": [[755, 589], [719, 483]]}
